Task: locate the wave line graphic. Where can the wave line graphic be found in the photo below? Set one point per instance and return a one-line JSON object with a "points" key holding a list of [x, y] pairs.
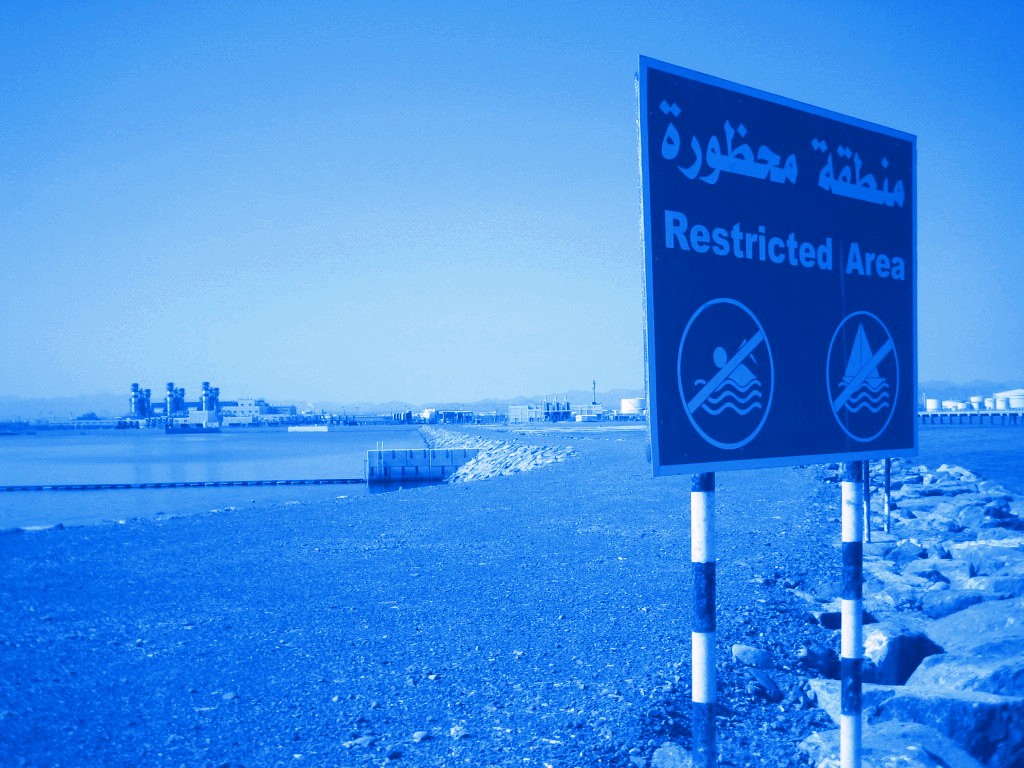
{"points": [[865, 406], [730, 395], [732, 406], [862, 397]]}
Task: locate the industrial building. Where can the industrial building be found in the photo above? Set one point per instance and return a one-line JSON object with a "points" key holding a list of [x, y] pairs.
{"points": [[550, 412], [208, 412]]}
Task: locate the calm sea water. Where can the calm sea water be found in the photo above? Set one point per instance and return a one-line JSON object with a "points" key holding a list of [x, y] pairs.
{"points": [[149, 456], [994, 452]]}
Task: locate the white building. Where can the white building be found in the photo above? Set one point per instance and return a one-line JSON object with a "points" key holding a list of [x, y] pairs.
{"points": [[525, 414]]}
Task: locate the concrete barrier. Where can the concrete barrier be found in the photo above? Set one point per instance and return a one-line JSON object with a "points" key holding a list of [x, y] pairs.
{"points": [[416, 464]]}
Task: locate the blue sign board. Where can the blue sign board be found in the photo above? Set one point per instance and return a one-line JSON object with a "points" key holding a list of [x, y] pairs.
{"points": [[781, 273]]}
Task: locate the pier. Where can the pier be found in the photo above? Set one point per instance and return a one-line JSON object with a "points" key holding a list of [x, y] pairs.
{"points": [[1013, 416], [416, 465], [198, 484]]}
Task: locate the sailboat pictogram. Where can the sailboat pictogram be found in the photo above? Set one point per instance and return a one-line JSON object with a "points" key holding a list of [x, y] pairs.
{"points": [[872, 393]]}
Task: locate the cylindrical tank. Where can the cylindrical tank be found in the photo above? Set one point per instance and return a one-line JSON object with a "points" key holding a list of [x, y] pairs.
{"points": [[1002, 403], [990, 403], [976, 401], [931, 404], [1016, 401], [632, 406]]}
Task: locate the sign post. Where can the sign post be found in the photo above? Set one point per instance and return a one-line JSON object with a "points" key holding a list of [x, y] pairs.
{"points": [[780, 276], [702, 638]]}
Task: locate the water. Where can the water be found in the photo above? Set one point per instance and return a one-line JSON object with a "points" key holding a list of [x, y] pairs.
{"points": [[994, 452], [150, 456]]}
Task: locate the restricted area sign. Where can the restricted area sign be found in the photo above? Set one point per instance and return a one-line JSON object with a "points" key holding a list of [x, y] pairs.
{"points": [[781, 273]]}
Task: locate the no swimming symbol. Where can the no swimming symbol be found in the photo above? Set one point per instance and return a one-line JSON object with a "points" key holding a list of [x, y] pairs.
{"points": [[725, 373]]}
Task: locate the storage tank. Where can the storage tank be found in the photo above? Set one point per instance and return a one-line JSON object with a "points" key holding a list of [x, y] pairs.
{"points": [[1002, 403], [633, 406], [990, 403], [931, 404], [976, 401]]}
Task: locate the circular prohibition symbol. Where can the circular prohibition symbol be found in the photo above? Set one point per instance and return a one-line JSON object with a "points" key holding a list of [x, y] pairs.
{"points": [[862, 376], [725, 373]]}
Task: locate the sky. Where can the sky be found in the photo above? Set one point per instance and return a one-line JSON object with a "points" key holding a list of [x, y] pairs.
{"points": [[373, 201]]}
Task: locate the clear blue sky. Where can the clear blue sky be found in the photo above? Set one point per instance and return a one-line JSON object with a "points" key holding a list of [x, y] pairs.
{"points": [[427, 201]]}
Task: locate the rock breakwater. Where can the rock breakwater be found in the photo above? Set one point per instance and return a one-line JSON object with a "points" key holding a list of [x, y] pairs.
{"points": [[944, 628], [496, 457]]}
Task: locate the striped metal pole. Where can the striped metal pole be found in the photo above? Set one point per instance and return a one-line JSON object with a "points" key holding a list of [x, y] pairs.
{"points": [[888, 494], [702, 558], [867, 500], [852, 641]]}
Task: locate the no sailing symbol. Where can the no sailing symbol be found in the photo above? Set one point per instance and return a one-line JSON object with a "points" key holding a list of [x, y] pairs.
{"points": [[725, 373], [863, 376]]}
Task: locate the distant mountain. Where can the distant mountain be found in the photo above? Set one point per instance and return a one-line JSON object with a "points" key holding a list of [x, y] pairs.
{"points": [[948, 390], [610, 399], [104, 405]]}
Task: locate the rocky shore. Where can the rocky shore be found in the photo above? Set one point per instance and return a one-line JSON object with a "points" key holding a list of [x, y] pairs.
{"points": [[496, 457], [944, 649], [532, 618]]}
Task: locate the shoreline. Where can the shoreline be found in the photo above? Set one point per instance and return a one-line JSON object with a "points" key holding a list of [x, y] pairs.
{"points": [[537, 615]]}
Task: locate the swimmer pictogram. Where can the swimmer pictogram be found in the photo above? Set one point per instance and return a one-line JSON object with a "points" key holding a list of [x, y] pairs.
{"points": [[725, 373], [863, 375]]}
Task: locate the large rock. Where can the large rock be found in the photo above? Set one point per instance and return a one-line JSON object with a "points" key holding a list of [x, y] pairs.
{"points": [[892, 745], [992, 621], [996, 667], [936, 569], [990, 555], [752, 657], [670, 755], [989, 727], [893, 650], [1000, 583], [826, 695], [937, 605]]}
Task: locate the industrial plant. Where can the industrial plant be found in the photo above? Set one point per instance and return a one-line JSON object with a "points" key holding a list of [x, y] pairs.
{"points": [[209, 413]]}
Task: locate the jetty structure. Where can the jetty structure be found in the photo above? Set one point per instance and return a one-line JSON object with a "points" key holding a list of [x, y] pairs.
{"points": [[999, 408]]}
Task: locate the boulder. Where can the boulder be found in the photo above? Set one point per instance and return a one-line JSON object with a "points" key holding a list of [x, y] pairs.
{"points": [[986, 556], [820, 659], [996, 667], [906, 551], [763, 686], [987, 622], [936, 605], [891, 745], [988, 726], [751, 657], [893, 650], [825, 694], [1001, 583], [934, 569], [670, 755]]}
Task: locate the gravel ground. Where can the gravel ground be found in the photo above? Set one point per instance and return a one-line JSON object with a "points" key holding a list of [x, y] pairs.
{"points": [[538, 619]]}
